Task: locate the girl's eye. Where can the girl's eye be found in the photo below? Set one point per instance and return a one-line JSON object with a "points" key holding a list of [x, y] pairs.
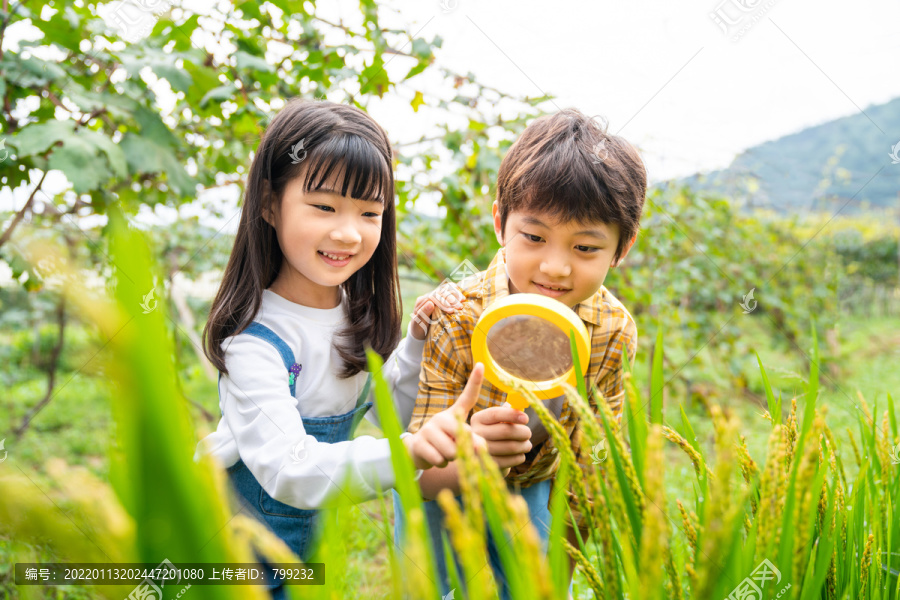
{"points": [[532, 238], [324, 207], [371, 214], [589, 249]]}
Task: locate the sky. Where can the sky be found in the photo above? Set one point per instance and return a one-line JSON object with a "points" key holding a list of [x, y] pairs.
{"points": [[663, 74], [666, 76]]}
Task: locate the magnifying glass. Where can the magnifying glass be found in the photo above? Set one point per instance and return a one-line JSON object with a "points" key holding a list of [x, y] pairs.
{"points": [[523, 342]]}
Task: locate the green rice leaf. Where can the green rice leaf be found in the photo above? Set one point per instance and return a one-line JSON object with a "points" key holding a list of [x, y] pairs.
{"points": [[774, 405], [657, 382]]}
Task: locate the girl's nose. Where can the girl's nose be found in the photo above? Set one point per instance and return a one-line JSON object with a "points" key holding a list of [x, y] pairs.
{"points": [[346, 234]]}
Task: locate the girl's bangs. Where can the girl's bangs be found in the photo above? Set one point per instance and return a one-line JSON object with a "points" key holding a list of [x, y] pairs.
{"points": [[350, 166]]}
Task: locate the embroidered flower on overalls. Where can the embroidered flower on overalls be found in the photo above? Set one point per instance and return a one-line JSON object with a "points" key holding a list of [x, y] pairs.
{"points": [[294, 371]]}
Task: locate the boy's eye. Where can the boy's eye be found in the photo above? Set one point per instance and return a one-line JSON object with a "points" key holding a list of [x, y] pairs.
{"points": [[586, 248], [532, 238]]}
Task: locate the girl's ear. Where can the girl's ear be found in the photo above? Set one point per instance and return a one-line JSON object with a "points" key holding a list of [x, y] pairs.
{"points": [[268, 204]]}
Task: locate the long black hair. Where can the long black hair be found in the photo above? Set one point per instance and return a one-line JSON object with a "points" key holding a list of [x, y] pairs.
{"points": [[337, 140]]}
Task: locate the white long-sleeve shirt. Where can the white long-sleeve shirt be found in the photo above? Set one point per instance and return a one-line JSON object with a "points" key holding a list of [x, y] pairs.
{"points": [[261, 422]]}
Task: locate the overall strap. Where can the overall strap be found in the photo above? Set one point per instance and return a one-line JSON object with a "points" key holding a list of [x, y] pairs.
{"points": [[258, 330], [363, 398], [362, 405], [262, 332]]}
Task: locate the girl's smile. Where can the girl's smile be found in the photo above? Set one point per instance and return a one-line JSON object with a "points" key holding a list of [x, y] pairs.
{"points": [[336, 259]]}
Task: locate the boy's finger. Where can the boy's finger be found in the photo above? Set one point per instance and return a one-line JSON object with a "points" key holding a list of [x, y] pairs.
{"points": [[501, 414], [508, 448], [469, 396], [509, 461], [506, 431]]}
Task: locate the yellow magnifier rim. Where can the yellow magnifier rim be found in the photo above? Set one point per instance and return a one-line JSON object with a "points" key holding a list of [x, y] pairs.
{"points": [[532, 305]]}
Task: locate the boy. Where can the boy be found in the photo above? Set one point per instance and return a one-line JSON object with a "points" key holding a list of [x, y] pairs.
{"points": [[568, 208]]}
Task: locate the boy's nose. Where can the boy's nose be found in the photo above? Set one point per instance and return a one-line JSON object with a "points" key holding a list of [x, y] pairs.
{"points": [[556, 268]]}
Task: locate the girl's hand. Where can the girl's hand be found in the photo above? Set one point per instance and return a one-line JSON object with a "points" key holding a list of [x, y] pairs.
{"points": [[508, 437], [448, 297], [435, 444]]}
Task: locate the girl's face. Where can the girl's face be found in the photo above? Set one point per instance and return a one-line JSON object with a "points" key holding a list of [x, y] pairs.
{"points": [[325, 238]]}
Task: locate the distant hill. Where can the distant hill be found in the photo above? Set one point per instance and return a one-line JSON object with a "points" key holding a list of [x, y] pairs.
{"points": [[819, 168]]}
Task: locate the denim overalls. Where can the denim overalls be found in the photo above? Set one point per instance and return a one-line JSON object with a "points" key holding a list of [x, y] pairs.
{"points": [[297, 527]]}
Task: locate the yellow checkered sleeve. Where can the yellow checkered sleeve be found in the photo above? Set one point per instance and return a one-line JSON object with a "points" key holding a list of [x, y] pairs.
{"points": [[446, 364]]}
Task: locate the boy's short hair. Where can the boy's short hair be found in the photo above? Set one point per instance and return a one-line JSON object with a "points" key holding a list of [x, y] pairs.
{"points": [[568, 166]]}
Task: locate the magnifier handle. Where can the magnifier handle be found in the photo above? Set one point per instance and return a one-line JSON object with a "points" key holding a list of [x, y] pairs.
{"points": [[516, 400]]}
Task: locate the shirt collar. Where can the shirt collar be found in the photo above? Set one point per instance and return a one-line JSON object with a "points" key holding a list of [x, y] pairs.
{"points": [[496, 285]]}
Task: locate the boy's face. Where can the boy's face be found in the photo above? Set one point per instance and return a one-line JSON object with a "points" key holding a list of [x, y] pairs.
{"points": [[567, 261]]}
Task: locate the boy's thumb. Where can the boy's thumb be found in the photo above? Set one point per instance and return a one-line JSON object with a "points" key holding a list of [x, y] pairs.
{"points": [[469, 396]]}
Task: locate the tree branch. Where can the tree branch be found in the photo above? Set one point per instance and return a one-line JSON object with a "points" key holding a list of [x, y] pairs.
{"points": [[186, 316], [19, 215], [51, 373]]}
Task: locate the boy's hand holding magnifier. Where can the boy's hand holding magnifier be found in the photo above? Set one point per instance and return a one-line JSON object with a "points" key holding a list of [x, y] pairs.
{"points": [[523, 341]]}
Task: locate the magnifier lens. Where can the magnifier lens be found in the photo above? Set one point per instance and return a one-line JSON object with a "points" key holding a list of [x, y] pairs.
{"points": [[529, 348]]}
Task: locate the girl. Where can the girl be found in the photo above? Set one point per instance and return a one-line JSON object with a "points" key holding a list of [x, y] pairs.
{"points": [[311, 282]]}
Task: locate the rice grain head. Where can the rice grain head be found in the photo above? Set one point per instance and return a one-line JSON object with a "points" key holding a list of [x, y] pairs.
{"points": [[603, 518], [770, 500], [586, 415], [674, 588], [696, 458], [655, 534], [864, 565], [837, 458], [855, 450], [594, 579], [566, 453], [469, 467], [469, 544], [724, 507], [749, 471], [806, 473]]}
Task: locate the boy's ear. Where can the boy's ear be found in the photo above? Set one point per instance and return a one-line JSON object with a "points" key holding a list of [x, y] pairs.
{"points": [[616, 263], [498, 229]]}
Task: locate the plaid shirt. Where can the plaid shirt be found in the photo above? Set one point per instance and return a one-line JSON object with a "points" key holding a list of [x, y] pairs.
{"points": [[447, 363]]}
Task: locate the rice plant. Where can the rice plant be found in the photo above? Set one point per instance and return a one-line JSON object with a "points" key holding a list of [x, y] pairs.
{"points": [[794, 525]]}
